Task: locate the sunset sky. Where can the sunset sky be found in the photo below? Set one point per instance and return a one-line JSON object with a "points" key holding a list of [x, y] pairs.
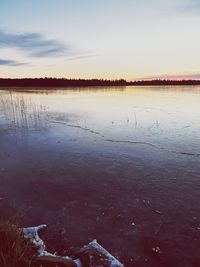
{"points": [[129, 39]]}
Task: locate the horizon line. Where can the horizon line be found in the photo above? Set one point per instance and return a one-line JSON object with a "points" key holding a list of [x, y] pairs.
{"points": [[103, 79]]}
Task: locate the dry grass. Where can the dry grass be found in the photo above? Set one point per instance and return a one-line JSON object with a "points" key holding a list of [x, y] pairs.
{"points": [[15, 251]]}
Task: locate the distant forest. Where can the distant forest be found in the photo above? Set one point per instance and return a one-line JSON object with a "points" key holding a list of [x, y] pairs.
{"points": [[61, 82]]}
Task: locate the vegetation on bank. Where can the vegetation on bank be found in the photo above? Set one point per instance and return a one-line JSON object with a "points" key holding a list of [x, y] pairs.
{"points": [[62, 82], [15, 251]]}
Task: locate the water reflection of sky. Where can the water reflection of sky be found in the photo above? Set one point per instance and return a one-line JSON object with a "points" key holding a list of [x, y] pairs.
{"points": [[164, 117]]}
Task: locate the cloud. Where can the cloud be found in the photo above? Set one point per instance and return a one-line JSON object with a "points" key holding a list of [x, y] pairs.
{"points": [[191, 6], [177, 7], [34, 44], [7, 62], [81, 56], [186, 76]]}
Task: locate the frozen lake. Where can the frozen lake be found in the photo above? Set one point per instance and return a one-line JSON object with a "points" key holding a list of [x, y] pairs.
{"points": [[121, 165]]}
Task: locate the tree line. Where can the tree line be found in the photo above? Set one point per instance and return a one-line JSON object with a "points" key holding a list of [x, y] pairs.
{"points": [[62, 82]]}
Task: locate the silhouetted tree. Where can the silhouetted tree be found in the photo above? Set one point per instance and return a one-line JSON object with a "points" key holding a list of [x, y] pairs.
{"points": [[61, 82]]}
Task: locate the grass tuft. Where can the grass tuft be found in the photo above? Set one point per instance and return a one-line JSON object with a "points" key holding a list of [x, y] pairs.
{"points": [[14, 249]]}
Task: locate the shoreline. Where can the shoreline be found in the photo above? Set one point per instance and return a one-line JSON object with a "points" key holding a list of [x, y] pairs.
{"points": [[53, 82]]}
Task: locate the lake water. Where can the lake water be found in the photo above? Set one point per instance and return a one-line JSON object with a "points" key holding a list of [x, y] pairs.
{"points": [[120, 165]]}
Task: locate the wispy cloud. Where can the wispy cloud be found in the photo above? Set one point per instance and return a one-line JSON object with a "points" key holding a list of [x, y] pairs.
{"points": [[191, 6], [81, 56], [186, 76], [177, 7], [7, 62], [34, 44]]}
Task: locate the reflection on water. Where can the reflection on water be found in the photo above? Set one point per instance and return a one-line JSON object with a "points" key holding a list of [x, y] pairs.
{"points": [[163, 118], [116, 164]]}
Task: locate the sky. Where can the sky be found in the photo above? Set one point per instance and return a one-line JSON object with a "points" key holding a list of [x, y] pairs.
{"points": [[109, 39]]}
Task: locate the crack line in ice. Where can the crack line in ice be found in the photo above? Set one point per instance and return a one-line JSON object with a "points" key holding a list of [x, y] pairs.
{"points": [[154, 146], [130, 142], [125, 141], [185, 153], [151, 108], [74, 126]]}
